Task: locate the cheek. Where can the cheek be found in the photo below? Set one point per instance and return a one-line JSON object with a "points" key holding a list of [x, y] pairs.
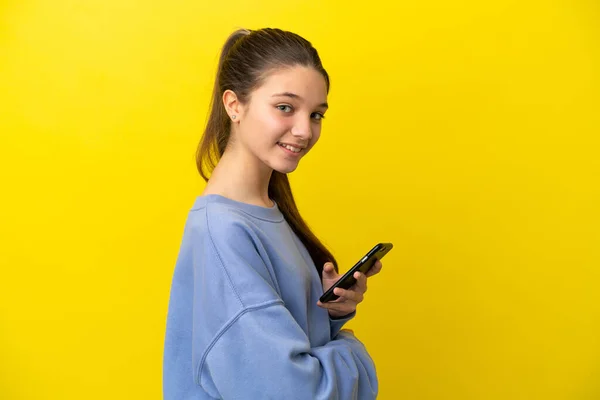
{"points": [[316, 134], [261, 129], [270, 122]]}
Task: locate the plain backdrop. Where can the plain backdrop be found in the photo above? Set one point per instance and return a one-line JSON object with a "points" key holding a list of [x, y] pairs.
{"points": [[465, 132]]}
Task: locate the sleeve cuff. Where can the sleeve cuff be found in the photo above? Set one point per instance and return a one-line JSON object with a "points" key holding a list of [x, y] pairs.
{"points": [[336, 324]]}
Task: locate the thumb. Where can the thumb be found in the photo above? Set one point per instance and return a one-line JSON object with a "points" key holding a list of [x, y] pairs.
{"points": [[329, 271]]}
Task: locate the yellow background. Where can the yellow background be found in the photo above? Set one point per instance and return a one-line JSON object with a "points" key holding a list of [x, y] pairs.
{"points": [[465, 132]]}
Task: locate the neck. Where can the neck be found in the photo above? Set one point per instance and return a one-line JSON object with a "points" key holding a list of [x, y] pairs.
{"points": [[242, 177]]}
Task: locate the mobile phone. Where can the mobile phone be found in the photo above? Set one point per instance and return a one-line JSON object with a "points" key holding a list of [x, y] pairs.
{"points": [[363, 265]]}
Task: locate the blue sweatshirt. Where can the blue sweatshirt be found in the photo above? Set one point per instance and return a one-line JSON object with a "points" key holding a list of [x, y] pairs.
{"points": [[243, 322]]}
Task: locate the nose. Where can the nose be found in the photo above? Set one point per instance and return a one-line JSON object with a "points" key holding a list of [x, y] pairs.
{"points": [[302, 129]]}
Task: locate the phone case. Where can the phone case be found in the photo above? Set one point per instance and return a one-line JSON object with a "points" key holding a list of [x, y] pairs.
{"points": [[363, 265]]}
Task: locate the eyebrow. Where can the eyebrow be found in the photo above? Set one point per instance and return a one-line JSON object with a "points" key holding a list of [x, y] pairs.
{"points": [[295, 96]]}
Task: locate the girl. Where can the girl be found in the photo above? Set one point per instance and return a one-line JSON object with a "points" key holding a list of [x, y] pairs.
{"points": [[244, 318]]}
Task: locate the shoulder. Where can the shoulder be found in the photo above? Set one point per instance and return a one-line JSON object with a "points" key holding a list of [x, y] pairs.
{"points": [[223, 224], [226, 239]]}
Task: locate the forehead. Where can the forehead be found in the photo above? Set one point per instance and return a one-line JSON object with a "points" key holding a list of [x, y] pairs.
{"points": [[306, 82]]}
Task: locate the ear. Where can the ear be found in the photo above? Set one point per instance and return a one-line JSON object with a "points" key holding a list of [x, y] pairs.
{"points": [[232, 104]]}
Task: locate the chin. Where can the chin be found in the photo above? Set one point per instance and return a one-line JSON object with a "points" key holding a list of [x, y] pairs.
{"points": [[286, 169], [283, 165]]}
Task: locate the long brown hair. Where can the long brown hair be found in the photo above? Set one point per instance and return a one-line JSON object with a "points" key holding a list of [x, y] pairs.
{"points": [[246, 59]]}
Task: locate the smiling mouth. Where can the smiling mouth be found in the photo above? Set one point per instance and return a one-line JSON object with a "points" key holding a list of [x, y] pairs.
{"points": [[290, 148]]}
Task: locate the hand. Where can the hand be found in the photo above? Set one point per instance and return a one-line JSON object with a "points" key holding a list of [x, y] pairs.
{"points": [[348, 298]]}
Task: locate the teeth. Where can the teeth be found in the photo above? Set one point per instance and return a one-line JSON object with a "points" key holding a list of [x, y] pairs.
{"points": [[291, 148]]}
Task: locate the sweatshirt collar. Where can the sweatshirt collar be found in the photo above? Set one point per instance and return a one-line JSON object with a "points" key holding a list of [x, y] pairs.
{"points": [[267, 213]]}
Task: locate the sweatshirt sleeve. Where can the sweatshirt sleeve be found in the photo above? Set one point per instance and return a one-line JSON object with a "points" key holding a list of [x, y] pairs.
{"points": [[337, 324], [265, 354], [246, 344]]}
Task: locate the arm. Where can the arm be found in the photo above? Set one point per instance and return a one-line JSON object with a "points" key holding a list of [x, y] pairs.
{"points": [[265, 354], [247, 344]]}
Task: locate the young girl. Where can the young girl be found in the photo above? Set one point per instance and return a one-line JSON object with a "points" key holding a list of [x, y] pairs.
{"points": [[244, 318]]}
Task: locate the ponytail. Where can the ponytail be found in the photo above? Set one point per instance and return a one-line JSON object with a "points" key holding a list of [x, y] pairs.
{"points": [[216, 133], [281, 192]]}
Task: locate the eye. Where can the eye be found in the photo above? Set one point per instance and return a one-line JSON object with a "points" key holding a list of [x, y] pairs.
{"points": [[317, 116], [285, 108]]}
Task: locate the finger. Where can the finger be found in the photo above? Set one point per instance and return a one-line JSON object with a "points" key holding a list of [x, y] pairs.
{"points": [[330, 305], [375, 269], [361, 282], [350, 295], [342, 308], [340, 300], [329, 271], [337, 300]]}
